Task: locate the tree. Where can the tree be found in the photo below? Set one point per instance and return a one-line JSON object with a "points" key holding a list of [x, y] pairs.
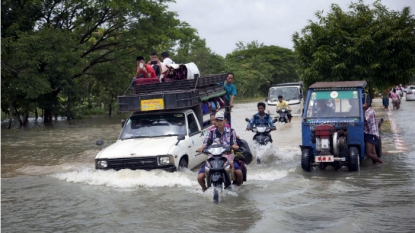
{"points": [[196, 51], [371, 44], [257, 67], [50, 46]]}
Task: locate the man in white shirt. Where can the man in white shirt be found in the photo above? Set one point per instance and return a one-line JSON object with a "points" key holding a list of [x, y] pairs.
{"points": [[166, 58]]}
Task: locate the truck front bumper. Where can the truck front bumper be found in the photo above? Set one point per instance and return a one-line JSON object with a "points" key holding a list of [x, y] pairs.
{"points": [[146, 163]]}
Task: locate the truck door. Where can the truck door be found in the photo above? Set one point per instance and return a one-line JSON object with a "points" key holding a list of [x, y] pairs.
{"points": [[196, 140]]}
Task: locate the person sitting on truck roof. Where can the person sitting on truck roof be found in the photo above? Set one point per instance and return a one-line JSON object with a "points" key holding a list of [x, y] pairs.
{"points": [[225, 136], [261, 118], [283, 104], [144, 69], [155, 63], [166, 59]]}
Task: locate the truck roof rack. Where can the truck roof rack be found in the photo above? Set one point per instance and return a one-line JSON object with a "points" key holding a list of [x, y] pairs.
{"points": [[172, 95], [287, 84]]}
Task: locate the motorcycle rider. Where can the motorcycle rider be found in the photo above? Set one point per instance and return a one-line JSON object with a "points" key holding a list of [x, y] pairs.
{"points": [[261, 118], [283, 104], [227, 137]]}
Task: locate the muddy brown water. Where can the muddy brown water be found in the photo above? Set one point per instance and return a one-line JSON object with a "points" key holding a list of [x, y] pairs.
{"points": [[49, 184]]}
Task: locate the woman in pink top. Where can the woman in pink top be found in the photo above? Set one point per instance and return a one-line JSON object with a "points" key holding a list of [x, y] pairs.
{"points": [[396, 100]]}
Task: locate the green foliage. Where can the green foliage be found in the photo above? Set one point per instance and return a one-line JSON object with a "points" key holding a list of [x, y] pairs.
{"points": [[257, 67], [197, 52], [58, 54], [365, 43]]}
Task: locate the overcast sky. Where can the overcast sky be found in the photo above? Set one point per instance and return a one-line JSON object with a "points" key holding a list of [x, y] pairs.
{"points": [[223, 23]]}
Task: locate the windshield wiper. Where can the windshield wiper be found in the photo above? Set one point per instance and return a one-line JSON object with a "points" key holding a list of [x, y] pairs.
{"points": [[165, 135], [132, 137]]}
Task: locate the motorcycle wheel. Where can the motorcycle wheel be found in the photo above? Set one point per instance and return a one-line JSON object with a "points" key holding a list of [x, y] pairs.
{"points": [[215, 193]]}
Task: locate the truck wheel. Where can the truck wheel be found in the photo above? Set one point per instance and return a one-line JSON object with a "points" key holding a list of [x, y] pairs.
{"points": [[353, 159], [378, 148], [306, 160], [182, 163]]}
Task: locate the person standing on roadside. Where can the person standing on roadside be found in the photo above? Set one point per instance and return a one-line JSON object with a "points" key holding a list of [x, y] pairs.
{"points": [[385, 99], [230, 89], [396, 99], [371, 133]]}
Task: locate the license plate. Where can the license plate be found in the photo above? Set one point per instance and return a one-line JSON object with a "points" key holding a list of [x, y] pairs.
{"points": [[324, 158], [152, 104]]}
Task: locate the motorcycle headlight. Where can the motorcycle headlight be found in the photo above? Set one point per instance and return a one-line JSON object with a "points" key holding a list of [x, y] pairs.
{"points": [[165, 160], [283, 110], [261, 129], [102, 164]]}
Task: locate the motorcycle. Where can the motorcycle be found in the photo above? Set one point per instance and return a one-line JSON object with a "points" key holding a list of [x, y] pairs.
{"points": [[218, 171], [262, 135], [283, 115]]}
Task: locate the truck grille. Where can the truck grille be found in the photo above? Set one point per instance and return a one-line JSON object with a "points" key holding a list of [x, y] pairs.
{"points": [[133, 163]]}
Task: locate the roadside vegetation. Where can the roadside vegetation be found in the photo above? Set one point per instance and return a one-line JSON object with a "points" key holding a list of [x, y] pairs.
{"points": [[73, 58]]}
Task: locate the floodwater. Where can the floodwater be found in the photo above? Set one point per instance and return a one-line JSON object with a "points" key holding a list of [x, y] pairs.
{"points": [[49, 184]]}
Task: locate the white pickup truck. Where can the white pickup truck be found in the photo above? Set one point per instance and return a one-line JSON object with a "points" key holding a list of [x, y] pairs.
{"points": [[165, 128]]}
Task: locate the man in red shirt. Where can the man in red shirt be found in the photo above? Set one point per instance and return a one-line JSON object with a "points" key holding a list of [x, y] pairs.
{"points": [[144, 69]]}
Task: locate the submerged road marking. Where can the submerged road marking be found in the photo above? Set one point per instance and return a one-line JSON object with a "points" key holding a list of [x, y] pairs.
{"points": [[399, 145]]}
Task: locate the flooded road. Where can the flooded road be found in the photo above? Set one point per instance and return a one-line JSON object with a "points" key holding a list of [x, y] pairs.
{"points": [[49, 184]]}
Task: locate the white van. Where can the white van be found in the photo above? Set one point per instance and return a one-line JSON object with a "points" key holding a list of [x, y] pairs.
{"points": [[291, 92]]}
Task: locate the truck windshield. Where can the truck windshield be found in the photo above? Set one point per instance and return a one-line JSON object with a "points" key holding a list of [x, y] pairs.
{"points": [[288, 93], [154, 125], [324, 104]]}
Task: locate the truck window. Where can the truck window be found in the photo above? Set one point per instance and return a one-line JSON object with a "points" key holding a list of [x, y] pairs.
{"points": [[154, 125], [191, 120], [288, 93], [334, 104]]}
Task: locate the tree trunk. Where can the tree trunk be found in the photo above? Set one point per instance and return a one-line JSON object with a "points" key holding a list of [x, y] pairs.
{"points": [[47, 116], [68, 108], [18, 115], [11, 107], [110, 106], [26, 117], [36, 115]]}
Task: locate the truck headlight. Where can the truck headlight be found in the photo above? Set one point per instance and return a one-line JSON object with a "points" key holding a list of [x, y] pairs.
{"points": [[165, 160], [102, 164]]}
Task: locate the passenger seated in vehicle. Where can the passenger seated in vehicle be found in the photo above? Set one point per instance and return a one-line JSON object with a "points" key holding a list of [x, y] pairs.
{"points": [[144, 69], [354, 107], [155, 63], [321, 109]]}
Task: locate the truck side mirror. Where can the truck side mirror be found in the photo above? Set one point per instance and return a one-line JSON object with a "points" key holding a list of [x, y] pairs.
{"points": [[247, 120], [122, 123], [100, 143], [179, 138]]}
